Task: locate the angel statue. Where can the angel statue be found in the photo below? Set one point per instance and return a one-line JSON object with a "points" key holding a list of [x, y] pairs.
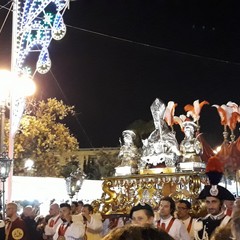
{"points": [[129, 154], [161, 147]]}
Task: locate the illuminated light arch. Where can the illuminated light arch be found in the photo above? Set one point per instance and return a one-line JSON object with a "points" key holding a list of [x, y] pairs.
{"points": [[38, 22]]}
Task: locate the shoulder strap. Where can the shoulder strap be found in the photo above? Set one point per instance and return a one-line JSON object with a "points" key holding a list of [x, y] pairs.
{"points": [[170, 224], [225, 220]]}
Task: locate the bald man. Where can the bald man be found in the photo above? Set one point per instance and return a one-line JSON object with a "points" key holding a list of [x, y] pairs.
{"points": [[15, 226], [53, 222]]}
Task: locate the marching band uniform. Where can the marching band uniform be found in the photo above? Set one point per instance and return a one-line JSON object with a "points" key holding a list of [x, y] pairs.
{"points": [[70, 231]]}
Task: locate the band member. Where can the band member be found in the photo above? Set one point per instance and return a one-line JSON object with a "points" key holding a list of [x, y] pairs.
{"points": [[68, 230]]}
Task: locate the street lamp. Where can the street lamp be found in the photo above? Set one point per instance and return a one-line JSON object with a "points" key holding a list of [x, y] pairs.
{"points": [[10, 86], [74, 182], [80, 176], [5, 166], [71, 186]]}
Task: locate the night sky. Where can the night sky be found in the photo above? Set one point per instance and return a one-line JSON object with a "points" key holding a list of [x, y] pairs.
{"points": [[119, 55]]}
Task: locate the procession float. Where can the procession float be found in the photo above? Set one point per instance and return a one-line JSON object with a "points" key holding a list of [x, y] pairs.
{"points": [[165, 167]]}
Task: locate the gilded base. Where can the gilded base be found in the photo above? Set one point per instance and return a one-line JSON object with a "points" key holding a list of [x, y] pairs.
{"points": [[158, 170]]}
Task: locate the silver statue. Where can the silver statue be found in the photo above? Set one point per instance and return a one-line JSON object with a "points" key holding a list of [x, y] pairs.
{"points": [[129, 153], [190, 147], [161, 147]]}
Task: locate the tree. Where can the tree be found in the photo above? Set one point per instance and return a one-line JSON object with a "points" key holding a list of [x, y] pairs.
{"points": [[41, 135]]}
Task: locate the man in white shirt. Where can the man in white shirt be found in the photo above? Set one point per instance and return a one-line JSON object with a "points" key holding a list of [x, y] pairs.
{"points": [[53, 222], [183, 208], [93, 223], [68, 230], [174, 227], [143, 215]]}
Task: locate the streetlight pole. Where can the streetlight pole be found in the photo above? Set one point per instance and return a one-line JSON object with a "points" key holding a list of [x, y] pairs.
{"points": [[2, 114], [5, 161]]}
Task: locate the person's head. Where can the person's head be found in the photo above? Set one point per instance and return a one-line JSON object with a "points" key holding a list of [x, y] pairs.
{"points": [[166, 207], [213, 205], [142, 214], [87, 209], [183, 208], [229, 204], [65, 211], [54, 210], [236, 227], [11, 210], [80, 205], [222, 233], [74, 206], [137, 232], [28, 211], [214, 196]]}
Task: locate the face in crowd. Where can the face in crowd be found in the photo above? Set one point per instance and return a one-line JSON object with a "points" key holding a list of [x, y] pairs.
{"points": [[165, 209], [214, 205], [65, 212], [142, 214], [183, 210], [141, 217]]}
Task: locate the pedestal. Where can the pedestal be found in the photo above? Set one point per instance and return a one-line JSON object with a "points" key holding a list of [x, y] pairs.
{"points": [[192, 166]]}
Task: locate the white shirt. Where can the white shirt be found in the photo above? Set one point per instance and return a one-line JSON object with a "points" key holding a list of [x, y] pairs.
{"points": [[94, 227], [75, 231], [48, 230], [186, 222], [178, 231]]}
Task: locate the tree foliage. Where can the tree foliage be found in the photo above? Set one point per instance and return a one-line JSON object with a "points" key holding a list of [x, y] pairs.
{"points": [[42, 134]]}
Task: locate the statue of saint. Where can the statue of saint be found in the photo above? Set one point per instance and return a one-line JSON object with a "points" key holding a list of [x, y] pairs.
{"points": [[161, 147], [190, 147], [129, 153]]}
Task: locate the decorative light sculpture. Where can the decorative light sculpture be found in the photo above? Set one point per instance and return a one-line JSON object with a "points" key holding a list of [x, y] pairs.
{"points": [[34, 24]]}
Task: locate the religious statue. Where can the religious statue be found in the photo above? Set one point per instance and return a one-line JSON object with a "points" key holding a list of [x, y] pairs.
{"points": [[129, 154], [161, 147], [191, 148]]}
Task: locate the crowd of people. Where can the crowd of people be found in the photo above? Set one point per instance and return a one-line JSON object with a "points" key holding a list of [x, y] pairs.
{"points": [[172, 220]]}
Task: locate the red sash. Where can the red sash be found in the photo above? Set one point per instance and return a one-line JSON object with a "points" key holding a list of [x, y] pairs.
{"points": [[52, 222], [168, 227], [62, 229], [189, 225]]}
